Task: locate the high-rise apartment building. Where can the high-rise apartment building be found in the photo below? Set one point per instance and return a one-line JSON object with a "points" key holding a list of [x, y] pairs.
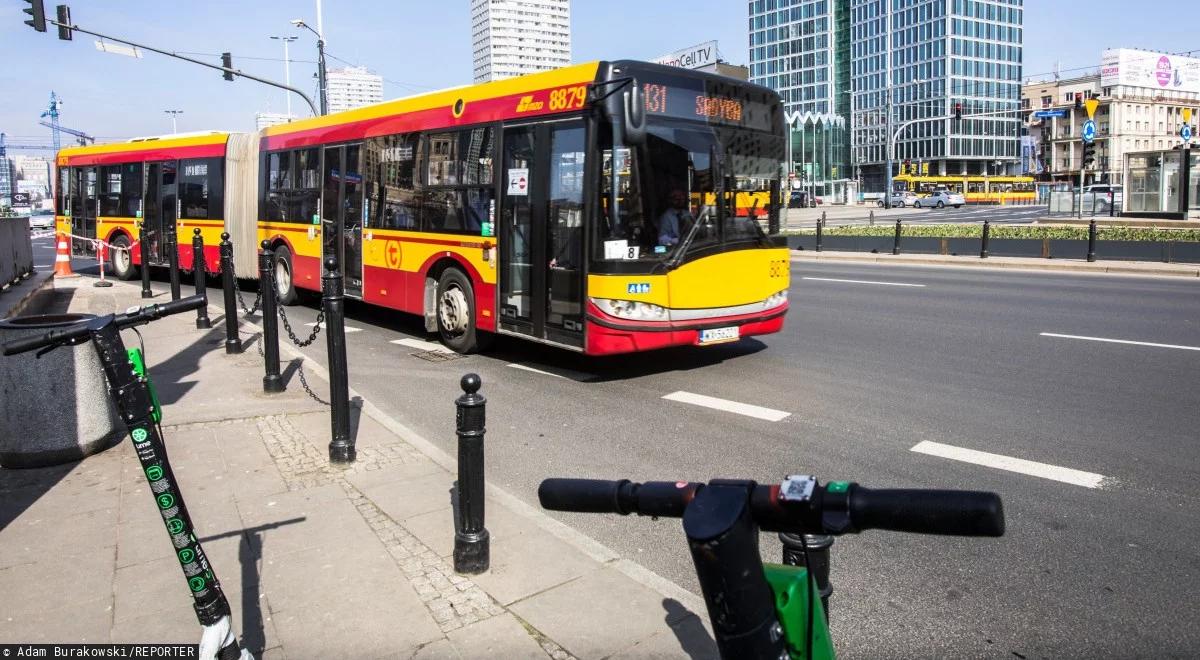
{"points": [[352, 87], [515, 37], [851, 63]]}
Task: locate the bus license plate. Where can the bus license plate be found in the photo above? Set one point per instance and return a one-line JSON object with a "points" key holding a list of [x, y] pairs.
{"points": [[717, 335]]}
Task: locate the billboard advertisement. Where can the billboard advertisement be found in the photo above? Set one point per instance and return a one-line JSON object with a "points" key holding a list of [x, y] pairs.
{"points": [[695, 57], [1149, 70]]}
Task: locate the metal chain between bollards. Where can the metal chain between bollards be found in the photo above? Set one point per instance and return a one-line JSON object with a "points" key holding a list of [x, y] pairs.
{"points": [[250, 311], [292, 335], [299, 372]]}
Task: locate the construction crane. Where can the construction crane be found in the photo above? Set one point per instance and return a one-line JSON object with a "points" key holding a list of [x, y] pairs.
{"points": [[52, 113], [80, 136]]}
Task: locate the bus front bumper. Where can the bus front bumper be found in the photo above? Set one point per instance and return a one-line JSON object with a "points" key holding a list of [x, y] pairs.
{"points": [[608, 335]]}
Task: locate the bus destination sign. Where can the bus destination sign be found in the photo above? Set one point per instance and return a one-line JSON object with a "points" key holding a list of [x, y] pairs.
{"points": [[728, 106]]}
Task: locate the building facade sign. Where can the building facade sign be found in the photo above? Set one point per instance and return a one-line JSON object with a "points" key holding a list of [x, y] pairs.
{"points": [[1149, 70], [695, 57]]}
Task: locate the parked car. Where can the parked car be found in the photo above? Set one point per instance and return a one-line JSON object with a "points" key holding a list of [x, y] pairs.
{"points": [[940, 199], [901, 198], [41, 219], [1103, 195]]}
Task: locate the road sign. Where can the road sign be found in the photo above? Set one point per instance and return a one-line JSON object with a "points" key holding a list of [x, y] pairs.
{"points": [[1090, 105], [1089, 131], [1186, 133], [1049, 114]]}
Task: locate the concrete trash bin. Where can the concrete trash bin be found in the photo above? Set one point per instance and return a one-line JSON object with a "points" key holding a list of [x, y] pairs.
{"points": [[54, 409]]}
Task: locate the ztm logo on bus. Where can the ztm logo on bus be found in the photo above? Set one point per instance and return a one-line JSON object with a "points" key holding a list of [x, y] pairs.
{"points": [[1163, 71]]}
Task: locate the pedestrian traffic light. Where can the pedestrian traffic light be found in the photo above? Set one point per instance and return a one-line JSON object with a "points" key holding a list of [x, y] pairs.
{"points": [[37, 15], [227, 62], [64, 22], [1089, 154], [957, 111]]}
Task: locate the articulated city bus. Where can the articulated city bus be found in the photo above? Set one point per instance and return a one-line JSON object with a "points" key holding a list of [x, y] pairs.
{"points": [[497, 209], [173, 184], [975, 189]]}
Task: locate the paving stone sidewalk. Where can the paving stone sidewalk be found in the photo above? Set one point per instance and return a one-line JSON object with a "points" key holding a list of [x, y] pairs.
{"points": [[317, 560]]}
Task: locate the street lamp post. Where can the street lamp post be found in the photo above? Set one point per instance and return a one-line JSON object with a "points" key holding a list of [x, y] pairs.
{"points": [[174, 114], [287, 68], [320, 63]]}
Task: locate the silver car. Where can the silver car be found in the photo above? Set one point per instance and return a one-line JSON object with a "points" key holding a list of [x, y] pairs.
{"points": [[901, 199], [941, 199]]}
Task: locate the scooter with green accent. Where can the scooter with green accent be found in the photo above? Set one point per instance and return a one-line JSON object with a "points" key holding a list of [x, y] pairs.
{"points": [[770, 611], [138, 406]]}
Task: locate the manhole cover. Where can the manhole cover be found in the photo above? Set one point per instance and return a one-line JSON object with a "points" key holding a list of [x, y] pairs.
{"points": [[437, 356]]}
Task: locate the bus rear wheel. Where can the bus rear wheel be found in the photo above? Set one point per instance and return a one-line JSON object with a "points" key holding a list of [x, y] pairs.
{"points": [[285, 288], [121, 260], [456, 312]]}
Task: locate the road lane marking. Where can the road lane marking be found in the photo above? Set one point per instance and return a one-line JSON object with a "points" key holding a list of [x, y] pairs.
{"points": [[567, 374], [349, 328], [421, 345], [832, 279], [727, 406], [1121, 341], [1031, 468]]}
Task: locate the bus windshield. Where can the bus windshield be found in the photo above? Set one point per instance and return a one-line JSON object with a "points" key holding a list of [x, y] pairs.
{"points": [[667, 205]]}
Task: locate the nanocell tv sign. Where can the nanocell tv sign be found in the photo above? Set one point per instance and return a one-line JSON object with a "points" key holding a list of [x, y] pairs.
{"points": [[1149, 70], [695, 57]]}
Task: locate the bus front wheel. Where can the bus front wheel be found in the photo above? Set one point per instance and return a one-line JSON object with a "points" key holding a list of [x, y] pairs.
{"points": [[456, 312], [121, 261]]}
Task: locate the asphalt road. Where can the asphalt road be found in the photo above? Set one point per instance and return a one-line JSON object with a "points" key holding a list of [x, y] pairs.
{"points": [[865, 371]]}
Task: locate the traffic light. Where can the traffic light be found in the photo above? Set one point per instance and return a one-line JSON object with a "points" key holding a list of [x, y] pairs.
{"points": [[957, 111], [64, 22], [37, 15], [227, 62], [1089, 154], [1078, 101]]}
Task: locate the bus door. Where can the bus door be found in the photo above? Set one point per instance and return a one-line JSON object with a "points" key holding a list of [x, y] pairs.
{"points": [[160, 208], [342, 214], [541, 232], [83, 210]]}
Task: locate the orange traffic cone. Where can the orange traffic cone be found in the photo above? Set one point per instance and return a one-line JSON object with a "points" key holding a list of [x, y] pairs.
{"points": [[62, 258]]}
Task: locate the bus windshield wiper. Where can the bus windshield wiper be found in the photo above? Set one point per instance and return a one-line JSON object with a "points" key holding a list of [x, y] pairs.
{"points": [[682, 247]]}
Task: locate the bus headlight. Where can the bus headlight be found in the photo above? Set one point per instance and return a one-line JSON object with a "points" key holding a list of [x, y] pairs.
{"points": [[631, 310], [775, 300]]}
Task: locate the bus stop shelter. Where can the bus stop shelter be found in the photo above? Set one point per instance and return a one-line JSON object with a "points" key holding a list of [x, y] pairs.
{"points": [[1162, 184]]}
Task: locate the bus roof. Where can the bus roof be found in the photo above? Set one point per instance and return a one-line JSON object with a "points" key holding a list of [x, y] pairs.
{"points": [[511, 98], [164, 147]]}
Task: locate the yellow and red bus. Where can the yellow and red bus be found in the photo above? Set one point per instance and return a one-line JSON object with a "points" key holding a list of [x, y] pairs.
{"points": [[496, 208], [975, 189]]}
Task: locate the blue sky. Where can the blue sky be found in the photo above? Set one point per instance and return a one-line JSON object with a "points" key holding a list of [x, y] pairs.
{"points": [[415, 44]]}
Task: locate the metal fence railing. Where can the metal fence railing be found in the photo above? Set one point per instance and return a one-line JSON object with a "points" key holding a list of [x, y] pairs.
{"points": [[16, 250]]}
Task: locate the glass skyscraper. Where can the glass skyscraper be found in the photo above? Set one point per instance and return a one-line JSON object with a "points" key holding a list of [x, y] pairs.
{"points": [[858, 60]]}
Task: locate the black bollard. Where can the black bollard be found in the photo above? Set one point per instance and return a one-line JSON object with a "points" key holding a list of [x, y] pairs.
{"points": [[272, 382], [172, 245], [987, 228], [144, 251], [820, 230], [333, 301], [233, 343], [472, 544], [896, 245], [198, 269], [871, 217], [1091, 255], [1112, 203], [817, 560]]}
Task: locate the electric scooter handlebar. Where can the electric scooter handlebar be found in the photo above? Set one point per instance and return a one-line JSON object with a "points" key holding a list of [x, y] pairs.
{"points": [[79, 331], [799, 505]]}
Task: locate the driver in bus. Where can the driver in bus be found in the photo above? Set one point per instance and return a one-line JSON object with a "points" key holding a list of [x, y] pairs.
{"points": [[676, 218]]}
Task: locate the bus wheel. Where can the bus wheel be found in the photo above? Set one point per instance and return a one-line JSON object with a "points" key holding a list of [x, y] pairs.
{"points": [[285, 289], [120, 260], [456, 312]]}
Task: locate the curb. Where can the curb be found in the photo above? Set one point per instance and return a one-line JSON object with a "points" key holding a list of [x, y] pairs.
{"points": [[30, 289], [590, 547], [1130, 268]]}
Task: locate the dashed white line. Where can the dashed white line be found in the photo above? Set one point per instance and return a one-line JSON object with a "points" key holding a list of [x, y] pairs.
{"points": [[1031, 468], [832, 279], [727, 406], [1121, 341], [349, 328], [567, 374], [421, 345]]}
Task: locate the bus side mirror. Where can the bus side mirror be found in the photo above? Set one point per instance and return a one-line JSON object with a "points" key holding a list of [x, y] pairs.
{"points": [[634, 116]]}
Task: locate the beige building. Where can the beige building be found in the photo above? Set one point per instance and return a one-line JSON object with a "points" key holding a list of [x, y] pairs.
{"points": [[1135, 114], [515, 37], [352, 87]]}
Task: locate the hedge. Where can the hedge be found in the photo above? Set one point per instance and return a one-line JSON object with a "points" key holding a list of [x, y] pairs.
{"points": [[1006, 231]]}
